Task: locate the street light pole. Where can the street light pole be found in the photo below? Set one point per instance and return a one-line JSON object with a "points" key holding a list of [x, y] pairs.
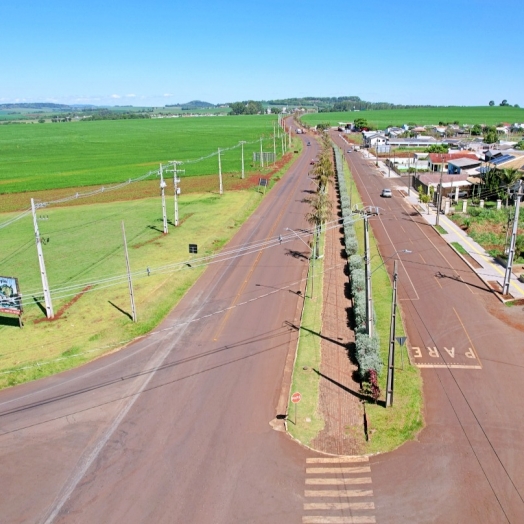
{"points": [[369, 300], [511, 253], [391, 356], [439, 196]]}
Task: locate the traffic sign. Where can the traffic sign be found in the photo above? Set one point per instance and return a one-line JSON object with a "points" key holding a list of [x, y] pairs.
{"points": [[296, 397]]}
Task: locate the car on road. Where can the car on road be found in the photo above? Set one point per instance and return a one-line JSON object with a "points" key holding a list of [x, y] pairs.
{"points": [[309, 143], [313, 162], [386, 193]]}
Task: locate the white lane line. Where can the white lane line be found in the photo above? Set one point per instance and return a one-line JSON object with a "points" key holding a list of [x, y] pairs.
{"points": [[339, 493], [338, 482], [311, 506], [336, 460], [364, 469], [339, 520]]}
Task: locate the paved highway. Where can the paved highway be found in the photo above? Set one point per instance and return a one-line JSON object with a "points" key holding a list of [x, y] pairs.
{"points": [[467, 463], [176, 427]]}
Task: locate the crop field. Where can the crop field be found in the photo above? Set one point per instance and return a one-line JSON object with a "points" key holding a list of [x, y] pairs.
{"points": [[37, 157], [86, 269], [424, 116]]}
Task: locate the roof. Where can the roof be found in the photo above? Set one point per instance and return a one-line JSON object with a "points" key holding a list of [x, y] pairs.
{"points": [[433, 179], [439, 158], [465, 162]]}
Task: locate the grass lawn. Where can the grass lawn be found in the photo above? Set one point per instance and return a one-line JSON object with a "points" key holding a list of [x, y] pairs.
{"points": [[48, 156], [86, 270], [308, 422], [84, 251], [391, 427]]}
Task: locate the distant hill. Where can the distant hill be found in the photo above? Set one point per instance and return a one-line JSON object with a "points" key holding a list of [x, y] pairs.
{"points": [[37, 105], [194, 104]]}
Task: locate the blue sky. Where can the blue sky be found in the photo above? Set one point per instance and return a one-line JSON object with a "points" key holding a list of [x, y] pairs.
{"points": [[163, 52]]}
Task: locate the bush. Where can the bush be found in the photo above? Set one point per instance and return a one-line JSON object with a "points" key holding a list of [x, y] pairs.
{"points": [[367, 352], [358, 280], [355, 262], [351, 246]]}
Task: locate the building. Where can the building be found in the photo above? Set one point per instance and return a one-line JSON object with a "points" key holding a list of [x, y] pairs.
{"points": [[439, 161]]}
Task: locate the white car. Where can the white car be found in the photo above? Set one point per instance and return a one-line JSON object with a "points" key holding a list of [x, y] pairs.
{"points": [[386, 193]]}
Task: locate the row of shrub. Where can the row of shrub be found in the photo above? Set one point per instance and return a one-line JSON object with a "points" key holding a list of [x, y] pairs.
{"points": [[367, 348]]}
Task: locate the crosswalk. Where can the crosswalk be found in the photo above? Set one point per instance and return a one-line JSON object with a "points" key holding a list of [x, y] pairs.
{"points": [[338, 491]]}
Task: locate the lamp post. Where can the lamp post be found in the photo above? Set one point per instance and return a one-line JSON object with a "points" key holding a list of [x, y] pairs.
{"points": [[312, 258]]}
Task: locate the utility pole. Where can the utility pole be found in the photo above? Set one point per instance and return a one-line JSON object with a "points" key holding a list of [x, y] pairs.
{"points": [[162, 192], [511, 253], [176, 181], [261, 154], [391, 356], [242, 146], [131, 295], [221, 189], [369, 300], [439, 196], [43, 274], [274, 146]]}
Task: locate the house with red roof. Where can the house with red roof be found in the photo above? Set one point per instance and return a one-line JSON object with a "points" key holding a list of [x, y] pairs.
{"points": [[439, 161]]}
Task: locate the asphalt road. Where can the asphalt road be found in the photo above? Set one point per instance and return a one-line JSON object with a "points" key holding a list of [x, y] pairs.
{"points": [[467, 463], [176, 427]]}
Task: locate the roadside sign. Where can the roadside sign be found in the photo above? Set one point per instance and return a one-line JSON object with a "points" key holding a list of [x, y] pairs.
{"points": [[296, 398], [262, 182], [193, 248], [401, 340]]}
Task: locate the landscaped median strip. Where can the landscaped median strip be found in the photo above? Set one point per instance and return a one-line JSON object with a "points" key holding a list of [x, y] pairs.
{"points": [[387, 428]]}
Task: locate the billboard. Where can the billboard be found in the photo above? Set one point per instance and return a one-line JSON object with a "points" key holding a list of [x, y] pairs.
{"points": [[10, 297]]}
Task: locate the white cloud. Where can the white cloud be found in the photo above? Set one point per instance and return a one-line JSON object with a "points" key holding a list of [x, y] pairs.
{"points": [[168, 95], [131, 95], [116, 96]]}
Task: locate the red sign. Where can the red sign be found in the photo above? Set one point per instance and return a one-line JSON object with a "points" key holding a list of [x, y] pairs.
{"points": [[296, 397]]}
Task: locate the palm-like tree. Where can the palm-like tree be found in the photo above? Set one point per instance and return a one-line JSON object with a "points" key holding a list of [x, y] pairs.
{"points": [[508, 177], [321, 211]]}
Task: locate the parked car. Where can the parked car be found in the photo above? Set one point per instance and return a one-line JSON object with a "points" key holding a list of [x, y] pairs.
{"points": [[386, 193], [461, 194]]}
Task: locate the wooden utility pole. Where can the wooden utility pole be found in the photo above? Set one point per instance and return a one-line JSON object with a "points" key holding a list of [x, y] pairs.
{"points": [[45, 285], [131, 294]]}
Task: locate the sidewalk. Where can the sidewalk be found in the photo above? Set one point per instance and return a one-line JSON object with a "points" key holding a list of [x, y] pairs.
{"points": [[482, 263]]}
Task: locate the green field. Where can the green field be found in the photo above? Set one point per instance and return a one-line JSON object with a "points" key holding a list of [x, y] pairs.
{"points": [[424, 116], [44, 156], [85, 248]]}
